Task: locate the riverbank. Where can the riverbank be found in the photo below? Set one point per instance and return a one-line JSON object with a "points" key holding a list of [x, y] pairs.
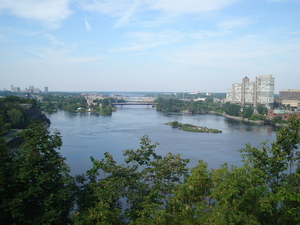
{"points": [[242, 119], [9, 136]]}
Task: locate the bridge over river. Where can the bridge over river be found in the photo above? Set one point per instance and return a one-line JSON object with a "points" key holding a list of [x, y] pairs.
{"points": [[135, 103]]}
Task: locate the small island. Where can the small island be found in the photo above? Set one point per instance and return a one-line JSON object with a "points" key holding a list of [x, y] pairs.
{"points": [[192, 128]]}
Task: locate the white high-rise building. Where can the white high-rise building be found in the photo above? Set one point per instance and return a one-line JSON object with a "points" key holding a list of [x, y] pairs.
{"points": [[264, 89], [252, 93]]}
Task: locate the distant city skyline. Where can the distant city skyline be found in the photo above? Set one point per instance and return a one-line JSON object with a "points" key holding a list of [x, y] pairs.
{"points": [[149, 46], [29, 89]]}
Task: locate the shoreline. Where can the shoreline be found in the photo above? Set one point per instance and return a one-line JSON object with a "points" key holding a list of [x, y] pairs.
{"points": [[242, 119]]}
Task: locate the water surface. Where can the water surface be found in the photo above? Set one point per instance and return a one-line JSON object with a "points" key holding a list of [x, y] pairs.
{"points": [[87, 134]]}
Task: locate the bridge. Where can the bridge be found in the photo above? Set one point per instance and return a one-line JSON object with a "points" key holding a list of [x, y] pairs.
{"points": [[135, 103]]}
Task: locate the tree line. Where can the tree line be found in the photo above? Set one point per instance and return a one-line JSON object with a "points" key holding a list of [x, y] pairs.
{"points": [[75, 102], [175, 105], [68, 102], [36, 187]]}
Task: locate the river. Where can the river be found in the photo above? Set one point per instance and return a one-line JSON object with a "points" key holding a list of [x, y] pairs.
{"points": [[87, 134]]}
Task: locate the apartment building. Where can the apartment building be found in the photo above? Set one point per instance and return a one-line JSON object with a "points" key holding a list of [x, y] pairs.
{"points": [[261, 91]]}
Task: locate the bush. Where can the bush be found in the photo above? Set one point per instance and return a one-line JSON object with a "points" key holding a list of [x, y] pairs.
{"points": [[257, 117]]}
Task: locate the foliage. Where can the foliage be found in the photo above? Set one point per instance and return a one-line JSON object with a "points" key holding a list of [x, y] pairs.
{"points": [[262, 110], [36, 187], [176, 105], [4, 127], [247, 112], [149, 188], [265, 190], [48, 107], [16, 115], [231, 109], [257, 117], [276, 119], [193, 128], [104, 106], [69, 102], [146, 182], [175, 124], [275, 165]]}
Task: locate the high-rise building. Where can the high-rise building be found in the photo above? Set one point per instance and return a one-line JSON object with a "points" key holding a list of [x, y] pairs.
{"points": [[46, 89], [252, 93], [16, 89], [31, 89], [264, 90]]}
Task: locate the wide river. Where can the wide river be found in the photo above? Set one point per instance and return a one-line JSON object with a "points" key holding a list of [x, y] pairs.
{"points": [[87, 134]]}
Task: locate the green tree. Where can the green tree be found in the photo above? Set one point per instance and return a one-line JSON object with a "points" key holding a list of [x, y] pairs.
{"points": [[16, 117], [4, 127], [257, 117], [247, 112], [265, 190], [6, 179], [40, 187], [231, 109], [262, 110], [280, 179], [288, 139], [145, 183], [175, 124], [276, 119]]}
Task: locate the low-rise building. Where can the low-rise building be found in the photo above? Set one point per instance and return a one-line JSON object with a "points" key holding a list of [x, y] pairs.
{"points": [[284, 114], [290, 98]]}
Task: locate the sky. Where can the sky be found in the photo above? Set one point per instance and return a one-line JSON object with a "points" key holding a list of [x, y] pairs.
{"points": [[148, 45]]}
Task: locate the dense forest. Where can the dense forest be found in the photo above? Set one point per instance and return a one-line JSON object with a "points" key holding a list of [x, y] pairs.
{"points": [[18, 113], [36, 188]]}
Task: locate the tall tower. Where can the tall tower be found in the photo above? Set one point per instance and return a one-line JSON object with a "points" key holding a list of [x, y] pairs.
{"points": [[264, 88], [46, 89], [31, 89], [245, 80]]}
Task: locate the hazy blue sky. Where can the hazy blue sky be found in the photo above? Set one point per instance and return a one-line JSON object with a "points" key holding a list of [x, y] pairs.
{"points": [[148, 45]]}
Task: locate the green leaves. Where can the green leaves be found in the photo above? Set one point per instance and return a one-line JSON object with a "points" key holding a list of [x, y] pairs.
{"points": [[145, 183], [275, 165], [39, 187], [149, 188]]}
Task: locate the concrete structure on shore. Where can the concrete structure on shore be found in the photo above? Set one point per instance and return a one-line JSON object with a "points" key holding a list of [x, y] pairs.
{"points": [[258, 92]]}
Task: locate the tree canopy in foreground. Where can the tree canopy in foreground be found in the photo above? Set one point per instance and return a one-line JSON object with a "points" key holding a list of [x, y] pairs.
{"points": [[149, 188]]}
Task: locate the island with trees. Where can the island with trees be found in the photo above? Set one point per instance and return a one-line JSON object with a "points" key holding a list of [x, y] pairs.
{"points": [[192, 128]]}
